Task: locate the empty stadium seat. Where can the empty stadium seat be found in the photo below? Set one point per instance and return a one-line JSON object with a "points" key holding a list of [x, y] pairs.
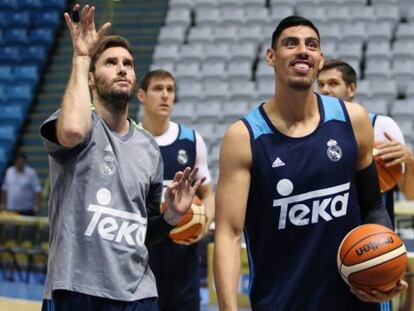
{"points": [[256, 16], [378, 51], [403, 109], [215, 91], [241, 91], [405, 31], [172, 34], [6, 74], [189, 91], [207, 16], [178, 17], [214, 70], [166, 52]]}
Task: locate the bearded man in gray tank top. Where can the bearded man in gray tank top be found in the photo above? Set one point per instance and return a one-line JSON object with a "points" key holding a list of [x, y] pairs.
{"points": [[106, 182]]}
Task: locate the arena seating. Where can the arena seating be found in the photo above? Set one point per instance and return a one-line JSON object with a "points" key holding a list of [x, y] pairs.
{"points": [[208, 44], [27, 34]]}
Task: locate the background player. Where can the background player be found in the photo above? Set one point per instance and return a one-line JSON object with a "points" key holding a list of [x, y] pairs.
{"points": [[176, 267], [296, 175], [339, 79], [106, 182]]}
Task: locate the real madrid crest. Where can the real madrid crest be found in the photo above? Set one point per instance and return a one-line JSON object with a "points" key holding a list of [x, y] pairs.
{"points": [[108, 167], [334, 151], [182, 157]]}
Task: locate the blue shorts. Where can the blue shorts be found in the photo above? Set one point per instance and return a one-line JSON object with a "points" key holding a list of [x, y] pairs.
{"points": [[64, 300]]}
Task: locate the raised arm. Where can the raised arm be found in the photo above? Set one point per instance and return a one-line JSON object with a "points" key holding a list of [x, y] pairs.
{"points": [[231, 201], [74, 121]]}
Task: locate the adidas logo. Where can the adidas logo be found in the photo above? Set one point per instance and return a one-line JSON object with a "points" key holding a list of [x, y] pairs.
{"points": [[108, 148], [278, 162]]}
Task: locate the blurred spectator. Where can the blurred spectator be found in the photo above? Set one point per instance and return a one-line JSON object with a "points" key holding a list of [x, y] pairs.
{"points": [[21, 191]]}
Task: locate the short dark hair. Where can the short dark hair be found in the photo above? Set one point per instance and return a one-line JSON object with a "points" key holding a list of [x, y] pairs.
{"points": [[159, 73], [110, 42], [292, 21], [348, 73]]}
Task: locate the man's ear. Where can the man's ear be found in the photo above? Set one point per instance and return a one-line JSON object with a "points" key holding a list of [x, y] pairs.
{"points": [[270, 56], [351, 90], [322, 62], [91, 80], [141, 96]]}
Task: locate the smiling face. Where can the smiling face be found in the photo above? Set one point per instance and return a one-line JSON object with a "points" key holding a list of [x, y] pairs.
{"points": [[296, 57], [113, 80], [331, 82], [159, 97]]}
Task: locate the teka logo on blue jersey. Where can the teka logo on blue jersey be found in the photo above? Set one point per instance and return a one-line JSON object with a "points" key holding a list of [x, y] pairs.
{"points": [[310, 207]]}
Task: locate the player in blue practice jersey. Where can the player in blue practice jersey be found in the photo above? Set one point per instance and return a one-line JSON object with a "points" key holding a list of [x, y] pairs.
{"points": [[106, 182], [296, 175], [338, 78], [176, 267]]}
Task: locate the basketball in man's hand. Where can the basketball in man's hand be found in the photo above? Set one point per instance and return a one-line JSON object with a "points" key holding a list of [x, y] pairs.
{"points": [[372, 256], [388, 176], [191, 225]]}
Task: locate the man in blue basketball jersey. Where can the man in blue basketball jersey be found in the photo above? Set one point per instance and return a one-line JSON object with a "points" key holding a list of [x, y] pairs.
{"points": [[176, 266], [296, 175], [338, 78], [106, 182]]}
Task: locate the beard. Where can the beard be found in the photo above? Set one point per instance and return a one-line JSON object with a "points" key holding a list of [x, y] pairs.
{"points": [[116, 100], [300, 85]]}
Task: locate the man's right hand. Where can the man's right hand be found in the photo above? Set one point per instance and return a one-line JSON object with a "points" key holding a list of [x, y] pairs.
{"points": [[83, 32]]}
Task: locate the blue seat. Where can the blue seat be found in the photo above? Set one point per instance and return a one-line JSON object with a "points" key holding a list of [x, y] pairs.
{"points": [[42, 36], [15, 36], [7, 135], [11, 116], [9, 55], [17, 19], [54, 4], [8, 5], [23, 91], [32, 5], [50, 19], [26, 74], [34, 55], [6, 74]]}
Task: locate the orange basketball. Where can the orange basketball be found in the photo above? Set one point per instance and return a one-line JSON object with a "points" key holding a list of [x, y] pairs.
{"points": [[192, 224], [388, 176], [372, 257]]}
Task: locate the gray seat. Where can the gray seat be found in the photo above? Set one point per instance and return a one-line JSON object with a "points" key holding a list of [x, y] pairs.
{"points": [[362, 14], [378, 69], [244, 51], [232, 16], [264, 72], [211, 113], [214, 70], [364, 92], [215, 91], [178, 16], [316, 14], [403, 50], [265, 89], [384, 90], [242, 91], [250, 34], [354, 32], [337, 14], [387, 13], [234, 110], [228, 34], [165, 65], [330, 33], [171, 34], [166, 52], [256, 16], [410, 90], [403, 109], [181, 4], [207, 16], [405, 31], [193, 52], [239, 70], [205, 4], [378, 51], [183, 112], [279, 12], [402, 73], [201, 34], [190, 91], [376, 105], [349, 52], [219, 51], [379, 31], [187, 71]]}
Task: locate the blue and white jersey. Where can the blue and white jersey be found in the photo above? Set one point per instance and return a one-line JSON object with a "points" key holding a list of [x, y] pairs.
{"points": [[180, 154], [302, 202]]}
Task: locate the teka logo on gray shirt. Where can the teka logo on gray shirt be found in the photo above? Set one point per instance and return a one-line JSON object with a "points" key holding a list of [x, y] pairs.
{"points": [[116, 225]]}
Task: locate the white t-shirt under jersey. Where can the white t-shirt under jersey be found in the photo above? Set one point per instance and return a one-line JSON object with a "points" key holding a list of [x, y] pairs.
{"points": [[201, 149]]}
